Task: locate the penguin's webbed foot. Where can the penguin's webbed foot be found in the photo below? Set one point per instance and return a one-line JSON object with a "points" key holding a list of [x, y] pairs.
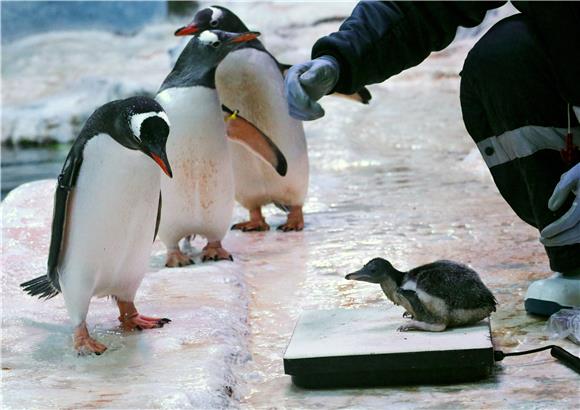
{"points": [[417, 325], [176, 258], [251, 226], [84, 344], [257, 223], [131, 319], [214, 251], [139, 322], [295, 221]]}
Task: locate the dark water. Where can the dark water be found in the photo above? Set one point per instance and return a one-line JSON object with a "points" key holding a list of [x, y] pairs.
{"points": [[22, 18], [21, 165]]}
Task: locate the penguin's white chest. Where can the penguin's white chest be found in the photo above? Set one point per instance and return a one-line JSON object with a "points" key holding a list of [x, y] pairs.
{"points": [[111, 221], [199, 198], [250, 81]]}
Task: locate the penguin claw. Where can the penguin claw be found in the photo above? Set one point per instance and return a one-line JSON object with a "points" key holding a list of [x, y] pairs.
{"points": [[288, 227], [251, 226], [140, 323], [176, 258], [216, 253]]}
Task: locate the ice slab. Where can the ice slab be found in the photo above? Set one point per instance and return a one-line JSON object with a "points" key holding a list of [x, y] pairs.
{"points": [[360, 347]]}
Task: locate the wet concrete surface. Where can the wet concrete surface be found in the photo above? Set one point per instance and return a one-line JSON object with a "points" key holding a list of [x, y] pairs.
{"points": [[397, 179]]}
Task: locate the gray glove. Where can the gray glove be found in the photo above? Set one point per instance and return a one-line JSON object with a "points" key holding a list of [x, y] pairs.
{"points": [[566, 229], [306, 83]]}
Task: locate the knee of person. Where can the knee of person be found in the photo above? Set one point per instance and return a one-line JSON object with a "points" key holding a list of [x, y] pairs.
{"points": [[500, 54]]}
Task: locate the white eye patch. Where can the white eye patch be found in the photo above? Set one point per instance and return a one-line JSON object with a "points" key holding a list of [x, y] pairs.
{"points": [[137, 120], [216, 13], [207, 37]]}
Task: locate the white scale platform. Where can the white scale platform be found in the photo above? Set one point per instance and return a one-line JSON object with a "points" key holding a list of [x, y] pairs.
{"points": [[362, 347]]}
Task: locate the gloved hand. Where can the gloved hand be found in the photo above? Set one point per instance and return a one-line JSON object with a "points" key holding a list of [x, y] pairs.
{"points": [[306, 83], [566, 229]]}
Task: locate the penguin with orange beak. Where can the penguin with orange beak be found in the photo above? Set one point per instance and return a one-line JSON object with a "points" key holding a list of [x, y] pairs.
{"points": [[251, 80], [199, 200], [106, 214]]}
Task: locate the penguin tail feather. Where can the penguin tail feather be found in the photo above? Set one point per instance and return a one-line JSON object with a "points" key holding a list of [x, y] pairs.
{"points": [[282, 207], [41, 287]]}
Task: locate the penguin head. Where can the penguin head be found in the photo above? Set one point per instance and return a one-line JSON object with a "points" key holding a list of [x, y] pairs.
{"points": [[213, 18], [144, 126], [212, 46], [197, 63], [376, 271]]}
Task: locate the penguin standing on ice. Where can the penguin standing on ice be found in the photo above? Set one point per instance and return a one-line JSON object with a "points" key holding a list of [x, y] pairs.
{"points": [[106, 213], [438, 295], [251, 80], [200, 197]]}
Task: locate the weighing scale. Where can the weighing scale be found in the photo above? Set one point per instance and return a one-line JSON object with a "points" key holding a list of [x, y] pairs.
{"points": [[362, 347]]}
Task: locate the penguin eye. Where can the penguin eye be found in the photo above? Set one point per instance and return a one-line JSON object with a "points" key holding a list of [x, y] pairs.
{"points": [[216, 44], [213, 23]]}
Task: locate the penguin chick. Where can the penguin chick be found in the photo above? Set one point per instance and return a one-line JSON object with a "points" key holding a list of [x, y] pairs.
{"points": [[200, 198], [106, 213], [438, 295]]}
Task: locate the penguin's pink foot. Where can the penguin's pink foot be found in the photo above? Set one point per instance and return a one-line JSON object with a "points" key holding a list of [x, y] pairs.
{"points": [[131, 319], [175, 258], [252, 226], [84, 344], [295, 221], [214, 251], [417, 325], [257, 223]]}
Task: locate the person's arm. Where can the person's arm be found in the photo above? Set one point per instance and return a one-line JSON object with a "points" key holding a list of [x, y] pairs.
{"points": [[381, 39]]}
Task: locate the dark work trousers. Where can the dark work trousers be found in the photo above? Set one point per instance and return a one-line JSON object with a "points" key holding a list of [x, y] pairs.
{"points": [[514, 113]]}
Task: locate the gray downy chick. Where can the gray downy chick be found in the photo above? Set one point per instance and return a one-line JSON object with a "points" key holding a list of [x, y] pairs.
{"points": [[437, 295]]}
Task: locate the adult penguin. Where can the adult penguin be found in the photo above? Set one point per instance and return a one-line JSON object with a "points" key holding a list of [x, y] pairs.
{"points": [[200, 198], [106, 213], [251, 80]]}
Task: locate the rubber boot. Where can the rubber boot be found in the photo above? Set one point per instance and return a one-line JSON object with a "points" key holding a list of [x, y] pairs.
{"points": [[547, 296]]}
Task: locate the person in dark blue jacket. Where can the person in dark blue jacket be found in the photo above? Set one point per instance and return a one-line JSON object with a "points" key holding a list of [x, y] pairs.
{"points": [[520, 94]]}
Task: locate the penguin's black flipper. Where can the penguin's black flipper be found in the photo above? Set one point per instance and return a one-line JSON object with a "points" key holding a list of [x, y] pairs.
{"points": [[158, 221], [48, 286], [362, 95], [244, 132], [418, 311], [283, 67]]}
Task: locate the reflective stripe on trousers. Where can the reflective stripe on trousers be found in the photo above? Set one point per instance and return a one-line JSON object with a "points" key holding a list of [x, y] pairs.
{"points": [[523, 142]]}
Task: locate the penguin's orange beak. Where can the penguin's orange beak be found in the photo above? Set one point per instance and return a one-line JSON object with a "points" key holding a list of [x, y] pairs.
{"points": [[187, 30], [163, 164], [244, 37]]}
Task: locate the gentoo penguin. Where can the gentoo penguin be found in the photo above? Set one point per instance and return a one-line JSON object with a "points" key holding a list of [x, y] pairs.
{"points": [[251, 80], [200, 198], [106, 213], [438, 295]]}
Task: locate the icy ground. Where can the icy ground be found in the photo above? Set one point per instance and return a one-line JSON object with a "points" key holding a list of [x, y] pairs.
{"points": [[398, 178]]}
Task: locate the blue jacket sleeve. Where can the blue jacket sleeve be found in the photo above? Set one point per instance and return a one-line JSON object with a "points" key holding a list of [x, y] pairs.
{"points": [[381, 39]]}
